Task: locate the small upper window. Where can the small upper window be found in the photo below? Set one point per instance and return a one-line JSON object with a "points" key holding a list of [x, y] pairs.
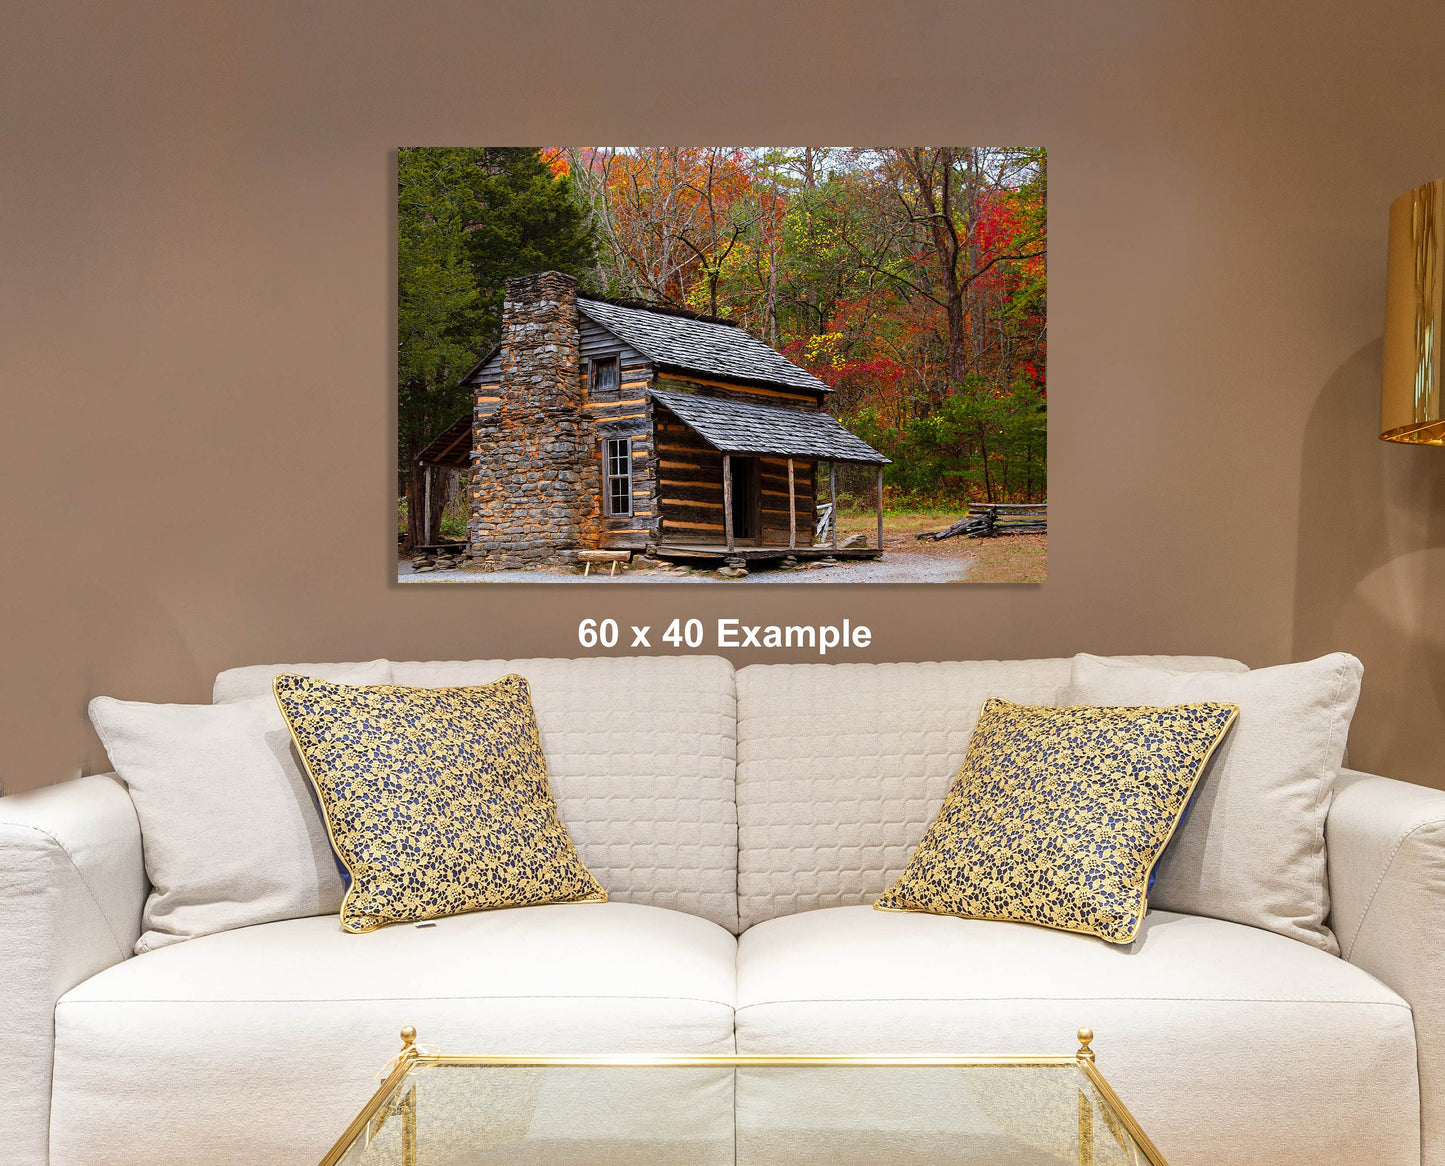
{"points": [[604, 377], [617, 471]]}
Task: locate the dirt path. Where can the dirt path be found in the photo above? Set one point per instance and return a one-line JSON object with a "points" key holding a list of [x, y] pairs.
{"points": [[894, 567], [1013, 559]]}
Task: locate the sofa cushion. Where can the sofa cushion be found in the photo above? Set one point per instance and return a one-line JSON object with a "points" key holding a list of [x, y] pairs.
{"points": [[231, 833], [1253, 848], [436, 799], [640, 752], [1058, 815], [841, 767], [1228, 1043], [254, 680], [260, 1045]]}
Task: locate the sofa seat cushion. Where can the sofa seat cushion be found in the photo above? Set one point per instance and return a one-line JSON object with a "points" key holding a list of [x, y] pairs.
{"points": [[1229, 1043], [260, 1045]]}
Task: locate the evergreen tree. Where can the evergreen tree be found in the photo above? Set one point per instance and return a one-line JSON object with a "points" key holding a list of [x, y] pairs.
{"points": [[467, 221]]}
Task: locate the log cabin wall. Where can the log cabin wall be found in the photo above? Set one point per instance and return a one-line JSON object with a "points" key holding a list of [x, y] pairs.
{"points": [[691, 495], [689, 483], [623, 411]]}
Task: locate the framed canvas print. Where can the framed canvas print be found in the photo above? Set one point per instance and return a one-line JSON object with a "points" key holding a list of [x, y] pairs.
{"points": [[722, 364]]}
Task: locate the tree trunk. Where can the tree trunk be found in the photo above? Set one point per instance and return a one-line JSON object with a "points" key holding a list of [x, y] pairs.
{"points": [[983, 457], [932, 172], [415, 493], [772, 307], [772, 301]]}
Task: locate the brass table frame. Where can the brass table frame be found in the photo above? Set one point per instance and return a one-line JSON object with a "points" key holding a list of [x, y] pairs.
{"points": [[373, 1115]]}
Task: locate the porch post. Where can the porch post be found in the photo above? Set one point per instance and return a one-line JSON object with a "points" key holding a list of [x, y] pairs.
{"points": [[833, 498], [426, 510], [880, 508], [792, 511], [728, 498]]}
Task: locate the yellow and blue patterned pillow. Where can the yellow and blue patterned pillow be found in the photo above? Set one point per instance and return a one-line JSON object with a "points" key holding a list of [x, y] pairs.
{"points": [[436, 799], [1058, 815]]}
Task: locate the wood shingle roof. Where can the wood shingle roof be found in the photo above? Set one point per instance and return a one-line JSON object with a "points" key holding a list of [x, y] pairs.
{"points": [[735, 427], [699, 346]]}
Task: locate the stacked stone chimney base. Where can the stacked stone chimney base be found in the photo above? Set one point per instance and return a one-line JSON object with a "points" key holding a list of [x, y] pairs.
{"points": [[534, 483]]}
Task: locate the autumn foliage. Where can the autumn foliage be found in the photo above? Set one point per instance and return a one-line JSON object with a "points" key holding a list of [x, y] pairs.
{"points": [[910, 279]]}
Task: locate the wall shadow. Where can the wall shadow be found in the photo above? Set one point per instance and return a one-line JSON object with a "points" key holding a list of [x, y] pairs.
{"points": [[1370, 571]]}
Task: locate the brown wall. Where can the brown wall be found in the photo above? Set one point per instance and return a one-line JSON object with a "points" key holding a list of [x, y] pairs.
{"points": [[196, 289]]}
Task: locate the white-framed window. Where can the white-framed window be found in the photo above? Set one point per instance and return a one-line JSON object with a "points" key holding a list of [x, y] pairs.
{"points": [[617, 475]]}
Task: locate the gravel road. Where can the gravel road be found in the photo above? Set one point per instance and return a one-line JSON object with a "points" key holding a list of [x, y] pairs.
{"points": [[894, 567]]}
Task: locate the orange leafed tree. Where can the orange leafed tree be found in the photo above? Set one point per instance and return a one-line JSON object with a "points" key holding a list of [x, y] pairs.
{"points": [[669, 216]]}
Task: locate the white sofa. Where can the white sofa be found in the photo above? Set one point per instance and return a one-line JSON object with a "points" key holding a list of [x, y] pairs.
{"points": [[742, 822]]}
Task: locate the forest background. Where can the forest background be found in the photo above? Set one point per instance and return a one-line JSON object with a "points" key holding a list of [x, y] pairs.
{"points": [[911, 280]]}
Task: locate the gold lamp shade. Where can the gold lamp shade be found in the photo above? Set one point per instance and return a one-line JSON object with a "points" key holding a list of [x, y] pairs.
{"points": [[1414, 282]]}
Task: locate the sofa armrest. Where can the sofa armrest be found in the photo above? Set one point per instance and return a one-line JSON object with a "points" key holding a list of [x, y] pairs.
{"points": [[1386, 845], [72, 885]]}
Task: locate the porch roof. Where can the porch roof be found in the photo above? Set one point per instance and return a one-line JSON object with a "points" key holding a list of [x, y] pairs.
{"points": [[735, 427], [452, 446]]}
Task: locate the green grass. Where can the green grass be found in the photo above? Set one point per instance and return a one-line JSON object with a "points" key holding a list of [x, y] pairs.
{"points": [[453, 524], [846, 513]]}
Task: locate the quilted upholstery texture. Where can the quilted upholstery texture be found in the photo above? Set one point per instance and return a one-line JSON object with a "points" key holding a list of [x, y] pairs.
{"points": [[841, 767], [640, 752]]}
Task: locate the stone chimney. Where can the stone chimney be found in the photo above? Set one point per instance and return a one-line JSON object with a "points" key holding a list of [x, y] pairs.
{"points": [[533, 493]]}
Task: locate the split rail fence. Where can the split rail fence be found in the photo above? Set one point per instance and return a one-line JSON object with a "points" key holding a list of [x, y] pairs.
{"points": [[991, 519]]}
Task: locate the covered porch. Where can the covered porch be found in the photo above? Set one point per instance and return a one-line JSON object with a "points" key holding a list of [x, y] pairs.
{"points": [[747, 476], [451, 449]]}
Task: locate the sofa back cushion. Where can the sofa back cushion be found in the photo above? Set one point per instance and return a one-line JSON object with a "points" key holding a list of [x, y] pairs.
{"points": [[841, 767], [1253, 848], [640, 752], [230, 833], [253, 681]]}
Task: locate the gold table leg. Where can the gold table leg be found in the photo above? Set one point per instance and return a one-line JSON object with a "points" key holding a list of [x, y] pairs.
{"points": [[1086, 1103], [408, 1127]]}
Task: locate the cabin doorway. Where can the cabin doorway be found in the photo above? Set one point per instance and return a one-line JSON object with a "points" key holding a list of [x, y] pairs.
{"points": [[747, 486]]}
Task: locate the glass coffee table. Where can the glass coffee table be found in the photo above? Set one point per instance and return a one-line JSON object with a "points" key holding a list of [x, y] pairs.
{"points": [[436, 1110]]}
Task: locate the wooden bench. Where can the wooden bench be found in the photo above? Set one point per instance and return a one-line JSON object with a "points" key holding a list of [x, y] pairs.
{"points": [[613, 557]]}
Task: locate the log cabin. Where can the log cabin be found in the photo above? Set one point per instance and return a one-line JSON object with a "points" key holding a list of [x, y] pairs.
{"points": [[601, 424]]}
